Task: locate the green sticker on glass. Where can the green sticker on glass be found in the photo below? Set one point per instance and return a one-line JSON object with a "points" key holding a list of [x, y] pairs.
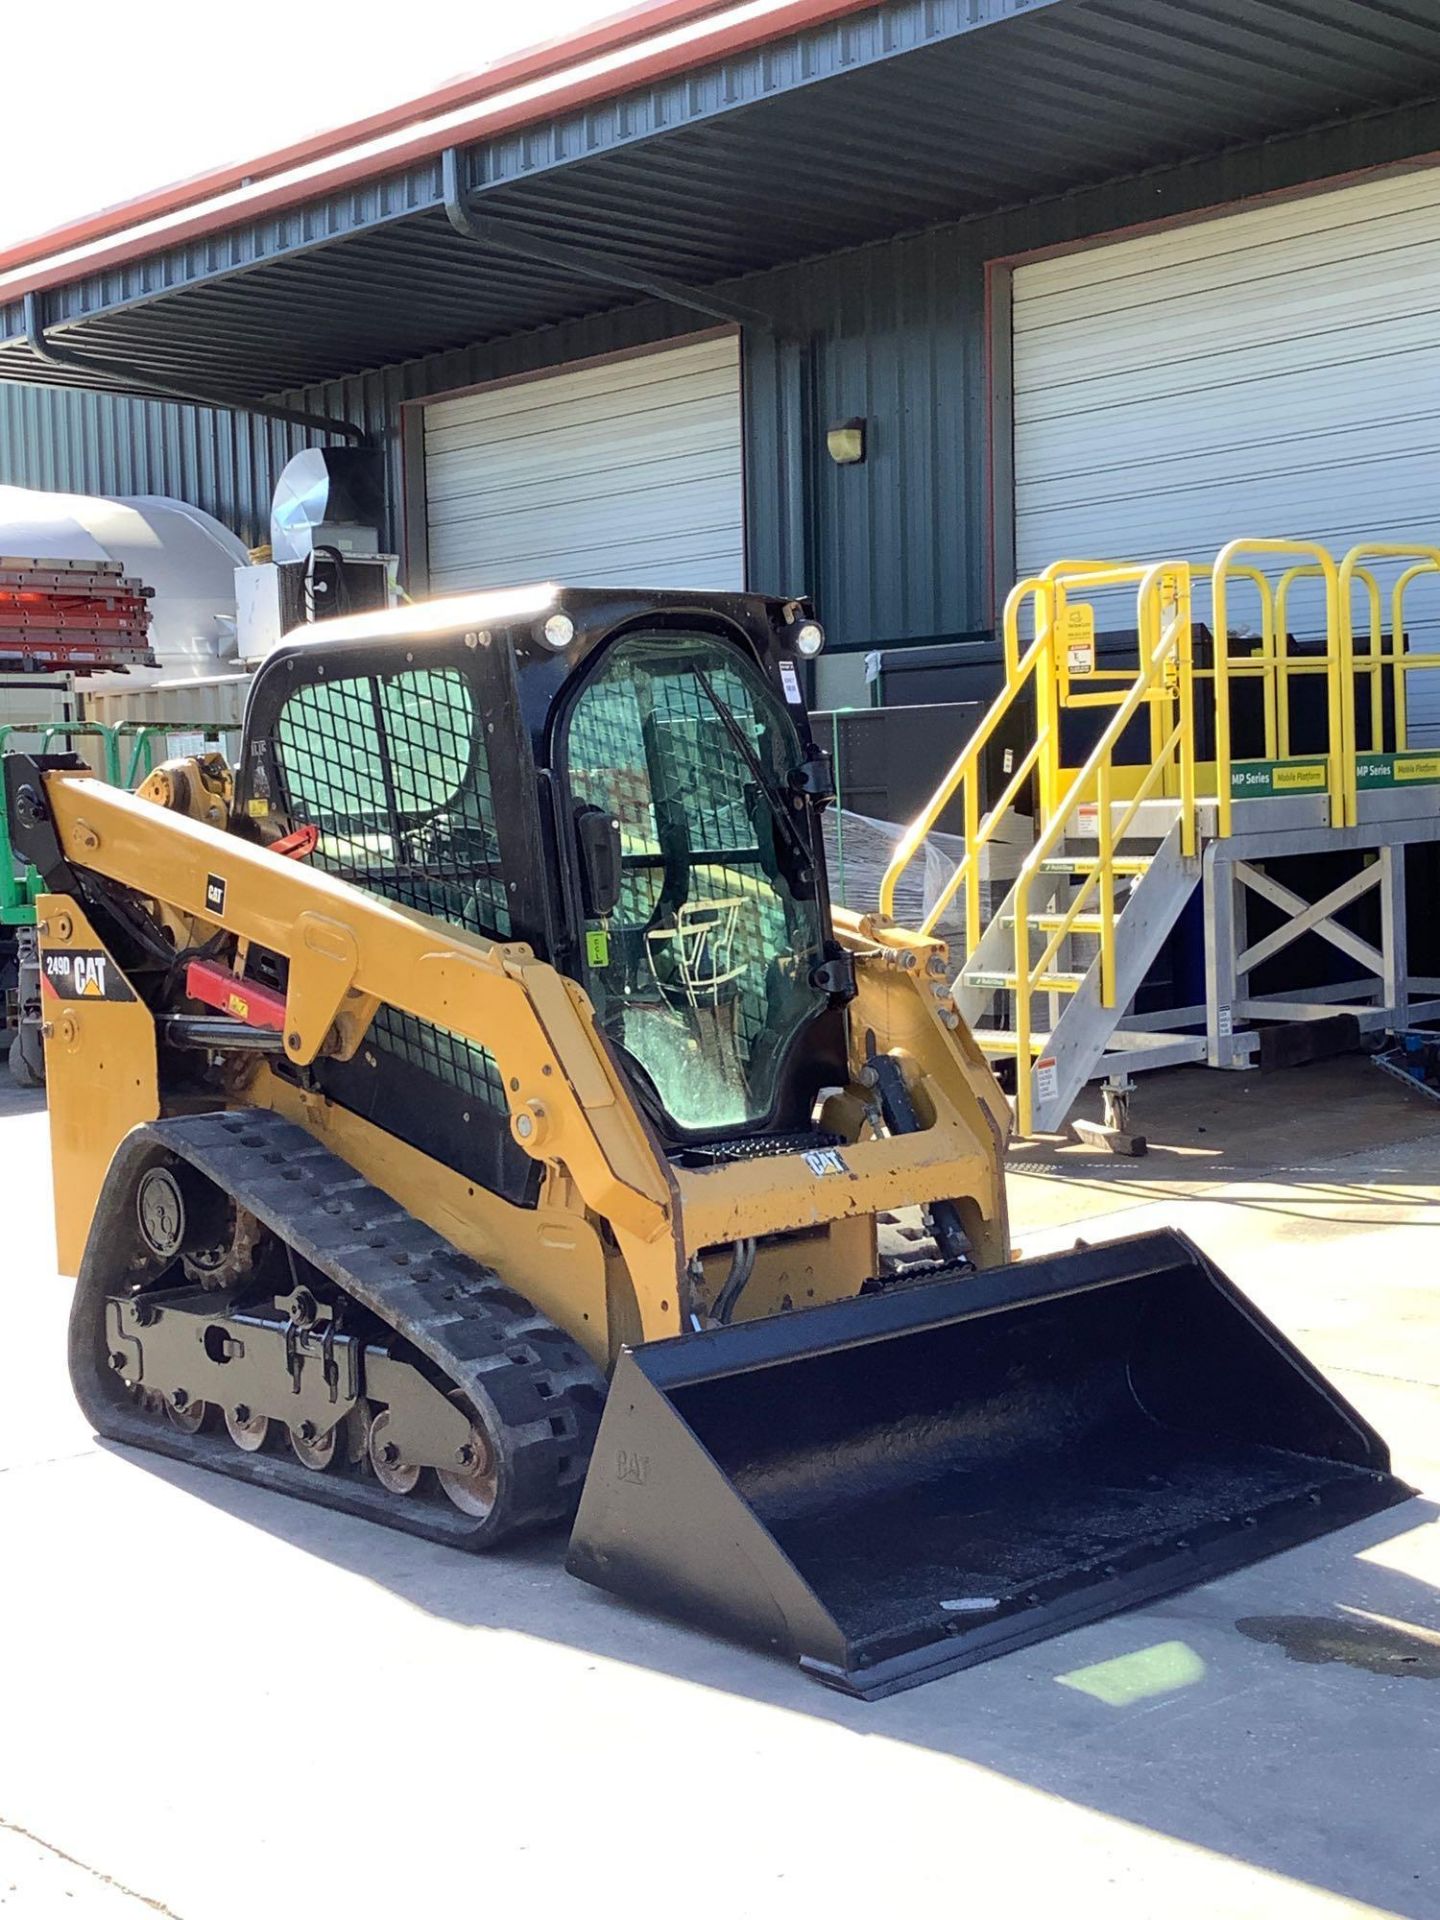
{"points": [[597, 947]]}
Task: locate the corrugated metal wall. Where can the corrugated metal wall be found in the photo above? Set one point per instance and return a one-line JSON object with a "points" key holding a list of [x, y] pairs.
{"points": [[68, 441], [895, 549]]}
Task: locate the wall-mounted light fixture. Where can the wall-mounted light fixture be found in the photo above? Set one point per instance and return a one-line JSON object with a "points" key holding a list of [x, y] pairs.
{"points": [[845, 443]]}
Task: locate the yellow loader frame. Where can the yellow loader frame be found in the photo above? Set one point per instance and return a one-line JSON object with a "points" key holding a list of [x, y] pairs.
{"points": [[621, 1237]]}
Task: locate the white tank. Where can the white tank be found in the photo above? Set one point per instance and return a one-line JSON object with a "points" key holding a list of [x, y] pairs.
{"points": [[182, 552]]}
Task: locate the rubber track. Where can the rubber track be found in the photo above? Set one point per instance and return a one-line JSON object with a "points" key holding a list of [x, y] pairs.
{"points": [[457, 1313]]}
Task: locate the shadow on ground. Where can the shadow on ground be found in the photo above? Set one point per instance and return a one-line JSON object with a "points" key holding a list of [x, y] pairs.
{"points": [[1287, 1717], [1210, 1717], [15, 1099]]}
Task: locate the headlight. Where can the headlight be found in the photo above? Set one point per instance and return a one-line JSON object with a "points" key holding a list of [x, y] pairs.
{"points": [[558, 631], [809, 639]]}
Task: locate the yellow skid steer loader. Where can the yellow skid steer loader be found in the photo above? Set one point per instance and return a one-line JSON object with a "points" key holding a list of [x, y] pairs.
{"points": [[470, 1109]]}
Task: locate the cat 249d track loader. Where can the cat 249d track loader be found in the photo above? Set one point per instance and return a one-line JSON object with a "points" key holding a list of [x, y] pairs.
{"points": [[471, 1105]]}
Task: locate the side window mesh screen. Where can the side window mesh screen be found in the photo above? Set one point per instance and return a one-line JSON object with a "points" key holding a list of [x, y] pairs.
{"points": [[443, 1055], [391, 770]]}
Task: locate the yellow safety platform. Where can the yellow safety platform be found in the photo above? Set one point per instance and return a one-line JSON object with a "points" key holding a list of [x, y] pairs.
{"points": [[1258, 746]]}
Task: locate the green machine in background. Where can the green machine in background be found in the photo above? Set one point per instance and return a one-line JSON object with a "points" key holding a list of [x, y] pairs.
{"points": [[123, 755]]}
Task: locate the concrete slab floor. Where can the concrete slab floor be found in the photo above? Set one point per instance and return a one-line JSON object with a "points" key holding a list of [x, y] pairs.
{"points": [[36, 1883], [233, 1706]]}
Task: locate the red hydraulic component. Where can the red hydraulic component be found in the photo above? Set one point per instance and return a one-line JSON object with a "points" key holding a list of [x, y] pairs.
{"points": [[243, 1000], [298, 845]]}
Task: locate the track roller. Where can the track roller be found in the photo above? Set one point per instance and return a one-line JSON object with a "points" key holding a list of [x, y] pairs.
{"points": [[473, 1484], [315, 1450], [248, 1430], [186, 1414], [390, 1470]]}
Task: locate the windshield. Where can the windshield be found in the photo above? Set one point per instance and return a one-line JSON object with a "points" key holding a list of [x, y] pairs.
{"points": [[702, 975]]}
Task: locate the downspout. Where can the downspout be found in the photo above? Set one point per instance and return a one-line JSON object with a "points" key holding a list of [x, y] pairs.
{"points": [[145, 386]]}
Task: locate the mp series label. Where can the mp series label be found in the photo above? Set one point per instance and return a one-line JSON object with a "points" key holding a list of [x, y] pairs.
{"points": [[1259, 779]]}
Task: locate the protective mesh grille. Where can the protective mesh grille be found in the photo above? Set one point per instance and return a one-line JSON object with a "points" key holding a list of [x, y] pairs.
{"points": [[391, 770], [443, 1055]]}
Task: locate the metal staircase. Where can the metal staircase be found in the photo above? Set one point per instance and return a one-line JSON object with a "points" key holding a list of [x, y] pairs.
{"points": [[1107, 876], [1049, 975], [1154, 879]]}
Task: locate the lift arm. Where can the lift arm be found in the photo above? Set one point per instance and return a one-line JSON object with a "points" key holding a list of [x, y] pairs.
{"points": [[348, 951]]}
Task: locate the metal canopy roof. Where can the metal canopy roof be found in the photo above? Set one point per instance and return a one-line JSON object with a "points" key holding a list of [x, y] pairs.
{"points": [[876, 123]]}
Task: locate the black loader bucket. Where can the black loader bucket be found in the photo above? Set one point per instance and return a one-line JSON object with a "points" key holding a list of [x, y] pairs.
{"points": [[895, 1486]]}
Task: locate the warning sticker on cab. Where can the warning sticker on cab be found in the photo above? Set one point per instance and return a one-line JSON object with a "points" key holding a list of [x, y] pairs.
{"points": [[83, 974]]}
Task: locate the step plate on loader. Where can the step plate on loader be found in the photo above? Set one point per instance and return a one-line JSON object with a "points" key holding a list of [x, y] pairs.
{"points": [[890, 1488]]}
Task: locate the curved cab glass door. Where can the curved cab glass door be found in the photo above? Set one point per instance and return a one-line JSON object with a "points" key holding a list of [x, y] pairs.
{"points": [[702, 975]]}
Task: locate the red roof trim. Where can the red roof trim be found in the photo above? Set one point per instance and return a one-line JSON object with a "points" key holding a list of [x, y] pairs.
{"points": [[546, 55], [645, 43]]}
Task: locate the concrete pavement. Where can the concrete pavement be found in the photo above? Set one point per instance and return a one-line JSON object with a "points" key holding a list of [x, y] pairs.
{"points": [[37, 1883], [236, 1706]]}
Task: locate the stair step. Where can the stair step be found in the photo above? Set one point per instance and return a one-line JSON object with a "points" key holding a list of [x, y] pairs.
{"points": [[1047, 983], [1004, 1040], [1052, 922], [1134, 864]]}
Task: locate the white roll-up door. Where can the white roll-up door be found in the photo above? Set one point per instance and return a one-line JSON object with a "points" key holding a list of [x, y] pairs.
{"points": [[1275, 372], [626, 472]]}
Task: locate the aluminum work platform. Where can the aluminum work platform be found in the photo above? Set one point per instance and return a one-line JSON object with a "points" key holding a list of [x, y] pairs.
{"points": [[1270, 775]]}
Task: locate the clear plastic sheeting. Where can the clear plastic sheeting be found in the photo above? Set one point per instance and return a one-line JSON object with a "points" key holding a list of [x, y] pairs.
{"points": [[858, 849]]}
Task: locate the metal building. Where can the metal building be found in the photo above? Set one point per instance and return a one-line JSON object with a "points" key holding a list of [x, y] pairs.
{"points": [[1078, 274]]}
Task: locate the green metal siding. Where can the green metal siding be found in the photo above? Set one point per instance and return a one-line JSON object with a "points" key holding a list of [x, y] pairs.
{"points": [[892, 549], [899, 548], [66, 440]]}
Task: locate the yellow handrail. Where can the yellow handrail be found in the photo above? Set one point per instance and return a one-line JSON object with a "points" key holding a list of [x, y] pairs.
{"points": [[1267, 664], [1044, 579], [1225, 565], [1428, 559], [1398, 663], [978, 834], [1376, 657], [963, 772], [1159, 586], [1041, 759], [1305, 570]]}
